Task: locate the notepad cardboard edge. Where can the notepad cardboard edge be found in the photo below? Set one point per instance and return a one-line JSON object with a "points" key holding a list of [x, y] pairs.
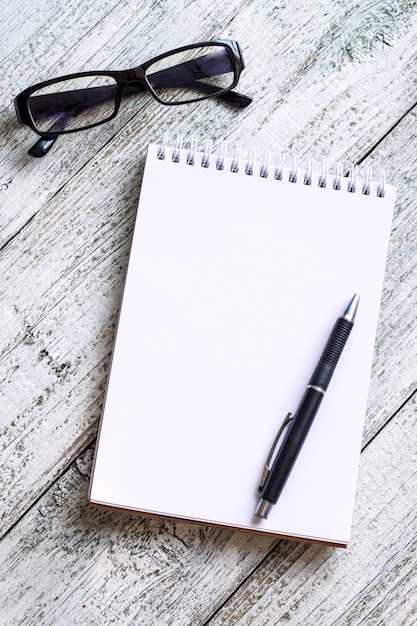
{"points": [[219, 525]]}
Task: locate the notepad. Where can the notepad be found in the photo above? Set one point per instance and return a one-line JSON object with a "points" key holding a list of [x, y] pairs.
{"points": [[240, 265]]}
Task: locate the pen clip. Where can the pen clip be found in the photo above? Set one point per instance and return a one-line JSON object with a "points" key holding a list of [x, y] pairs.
{"points": [[271, 454]]}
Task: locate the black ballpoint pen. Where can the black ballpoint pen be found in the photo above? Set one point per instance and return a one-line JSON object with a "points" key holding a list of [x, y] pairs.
{"points": [[275, 477]]}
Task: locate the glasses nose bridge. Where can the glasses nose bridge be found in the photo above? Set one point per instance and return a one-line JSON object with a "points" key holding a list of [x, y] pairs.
{"points": [[135, 75], [133, 81]]}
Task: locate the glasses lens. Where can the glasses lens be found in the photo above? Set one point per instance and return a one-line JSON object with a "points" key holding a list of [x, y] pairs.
{"points": [[192, 74], [74, 103]]}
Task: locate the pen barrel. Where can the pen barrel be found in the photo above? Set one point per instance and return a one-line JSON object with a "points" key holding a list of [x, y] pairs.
{"points": [[331, 353], [300, 424], [291, 445]]}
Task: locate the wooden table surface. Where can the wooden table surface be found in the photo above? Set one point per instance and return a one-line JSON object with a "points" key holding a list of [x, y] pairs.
{"points": [[328, 78]]}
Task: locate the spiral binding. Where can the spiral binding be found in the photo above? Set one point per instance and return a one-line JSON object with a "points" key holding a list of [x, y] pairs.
{"points": [[279, 169]]}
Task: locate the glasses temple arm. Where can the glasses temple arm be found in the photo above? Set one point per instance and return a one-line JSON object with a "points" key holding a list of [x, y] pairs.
{"points": [[42, 146], [105, 93], [232, 98]]}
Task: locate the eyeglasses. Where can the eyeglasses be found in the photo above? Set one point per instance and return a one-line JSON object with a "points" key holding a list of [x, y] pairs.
{"points": [[79, 101]]}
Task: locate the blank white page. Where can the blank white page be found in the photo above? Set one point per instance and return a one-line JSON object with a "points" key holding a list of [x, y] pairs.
{"points": [[234, 284]]}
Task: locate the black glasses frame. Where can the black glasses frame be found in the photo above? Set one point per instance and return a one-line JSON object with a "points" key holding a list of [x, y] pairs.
{"points": [[130, 81]]}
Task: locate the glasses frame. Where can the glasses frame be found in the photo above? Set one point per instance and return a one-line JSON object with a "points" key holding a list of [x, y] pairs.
{"points": [[137, 75]]}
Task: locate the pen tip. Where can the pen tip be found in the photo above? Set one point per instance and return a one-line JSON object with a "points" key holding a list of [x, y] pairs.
{"points": [[352, 307]]}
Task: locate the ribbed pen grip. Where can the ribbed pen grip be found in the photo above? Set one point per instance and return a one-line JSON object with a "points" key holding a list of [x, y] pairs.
{"points": [[336, 342], [331, 353]]}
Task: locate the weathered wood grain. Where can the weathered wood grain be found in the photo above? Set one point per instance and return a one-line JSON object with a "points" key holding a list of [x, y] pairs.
{"points": [[116, 35], [329, 78], [319, 75], [67, 563], [394, 376], [100, 567], [374, 582]]}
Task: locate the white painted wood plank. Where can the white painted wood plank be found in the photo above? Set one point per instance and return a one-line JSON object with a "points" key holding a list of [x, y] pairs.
{"points": [[104, 35], [67, 563], [101, 567], [338, 76], [394, 376], [319, 75]]}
